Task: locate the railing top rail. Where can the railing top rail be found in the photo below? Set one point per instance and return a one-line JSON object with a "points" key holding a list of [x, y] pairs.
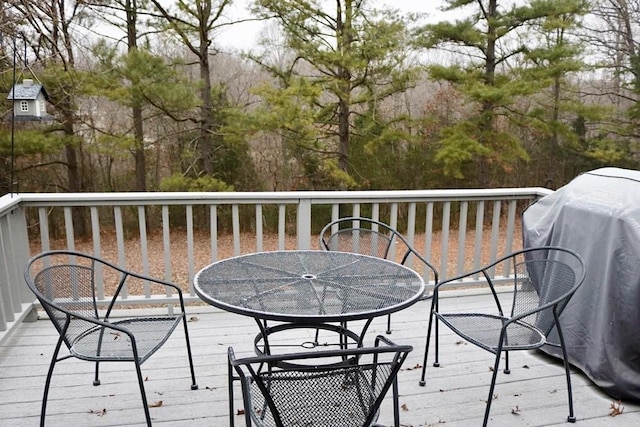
{"points": [[8, 202], [285, 197]]}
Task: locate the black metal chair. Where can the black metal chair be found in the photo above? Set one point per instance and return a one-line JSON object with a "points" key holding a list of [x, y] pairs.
{"points": [[66, 284], [334, 388], [541, 281], [371, 237]]}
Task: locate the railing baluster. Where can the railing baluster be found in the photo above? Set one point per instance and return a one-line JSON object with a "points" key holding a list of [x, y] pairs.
{"points": [[259, 230], [235, 220], [462, 237], [511, 224], [355, 210], [411, 229], [282, 226], [428, 231], [68, 228], [477, 256], [43, 220], [166, 240], [122, 255], [144, 249], [495, 229], [375, 211], [190, 250], [393, 222], [97, 249], [444, 251], [213, 231]]}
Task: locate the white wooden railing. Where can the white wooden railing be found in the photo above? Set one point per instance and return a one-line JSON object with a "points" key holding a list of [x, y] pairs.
{"points": [[456, 229]]}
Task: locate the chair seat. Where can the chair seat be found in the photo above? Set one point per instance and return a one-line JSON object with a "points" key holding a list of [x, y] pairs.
{"points": [[320, 399], [484, 330], [150, 334]]}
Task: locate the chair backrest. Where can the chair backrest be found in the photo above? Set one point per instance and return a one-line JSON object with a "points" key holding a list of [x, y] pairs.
{"points": [[65, 283], [371, 237], [337, 388], [544, 279]]}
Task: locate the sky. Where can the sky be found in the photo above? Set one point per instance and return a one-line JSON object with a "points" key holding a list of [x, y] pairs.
{"points": [[243, 36]]}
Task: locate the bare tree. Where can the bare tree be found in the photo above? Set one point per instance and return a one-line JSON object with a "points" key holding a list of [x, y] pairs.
{"points": [[195, 23]]}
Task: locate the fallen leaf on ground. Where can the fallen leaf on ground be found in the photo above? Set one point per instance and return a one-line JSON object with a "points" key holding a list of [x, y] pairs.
{"points": [[411, 368], [100, 413], [616, 408], [156, 404], [404, 407]]}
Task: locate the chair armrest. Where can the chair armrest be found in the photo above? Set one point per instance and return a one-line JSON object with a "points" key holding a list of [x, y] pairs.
{"points": [[154, 280], [422, 259], [276, 358], [96, 322], [387, 341], [483, 271]]}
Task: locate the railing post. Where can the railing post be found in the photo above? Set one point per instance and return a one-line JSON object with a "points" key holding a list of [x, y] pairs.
{"points": [[15, 298], [304, 224]]}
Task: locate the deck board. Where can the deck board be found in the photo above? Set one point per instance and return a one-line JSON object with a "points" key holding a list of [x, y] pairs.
{"points": [[534, 394]]}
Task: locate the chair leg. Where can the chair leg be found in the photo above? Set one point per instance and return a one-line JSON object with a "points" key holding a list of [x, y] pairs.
{"points": [[436, 363], [47, 383], [396, 404], [230, 385], [145, 405], [194, 385], [571, 417], [496, 366], [436, 340], [96, 379], [388, 324], [422, 381], [506, 363]]}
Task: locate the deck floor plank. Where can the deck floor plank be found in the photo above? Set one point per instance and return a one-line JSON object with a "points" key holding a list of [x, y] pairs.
{"points": [[534, 394]]}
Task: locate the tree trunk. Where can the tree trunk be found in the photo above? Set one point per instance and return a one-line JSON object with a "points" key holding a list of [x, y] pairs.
{"points": [[487, 114], [136, 109], [205, 143], [344, 39]]}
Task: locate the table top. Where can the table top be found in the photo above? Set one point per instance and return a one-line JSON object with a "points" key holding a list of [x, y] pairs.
{"points": [[309, 286]]}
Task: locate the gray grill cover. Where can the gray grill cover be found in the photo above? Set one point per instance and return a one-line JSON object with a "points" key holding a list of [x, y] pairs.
{"points": [[598, 215]]}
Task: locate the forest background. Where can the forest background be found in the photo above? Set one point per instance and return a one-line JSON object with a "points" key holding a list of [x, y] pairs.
{"points": [[340, 94]]}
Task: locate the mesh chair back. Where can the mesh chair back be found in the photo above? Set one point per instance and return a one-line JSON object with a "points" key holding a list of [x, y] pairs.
{"points": [[374, 238], [64, 289], [547, 282], [339, 397], [334, 394], [375, 241]]}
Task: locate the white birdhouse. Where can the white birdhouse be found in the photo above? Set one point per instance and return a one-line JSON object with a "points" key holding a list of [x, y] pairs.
{"points": [[29, 101]]}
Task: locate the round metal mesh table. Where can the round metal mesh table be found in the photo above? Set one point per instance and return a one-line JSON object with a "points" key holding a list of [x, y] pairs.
{"points": [[309, 286]]}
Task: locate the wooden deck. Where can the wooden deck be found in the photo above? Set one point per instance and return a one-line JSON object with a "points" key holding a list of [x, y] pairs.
{"points": [[534, 394]]}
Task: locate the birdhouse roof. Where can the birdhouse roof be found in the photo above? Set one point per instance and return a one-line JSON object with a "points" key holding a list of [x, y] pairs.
{"points": [[27, 90]]}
